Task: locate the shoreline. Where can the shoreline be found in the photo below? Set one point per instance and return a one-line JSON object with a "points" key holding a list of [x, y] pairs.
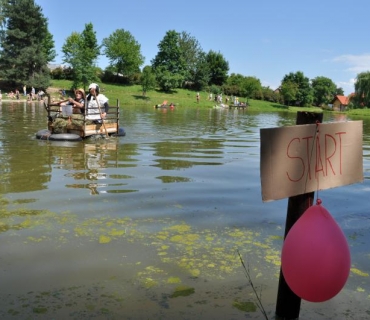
{"points": [[20, 100]]}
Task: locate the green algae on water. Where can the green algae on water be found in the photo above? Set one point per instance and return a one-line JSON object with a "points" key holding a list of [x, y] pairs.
{"points": [[182, 291], [245, 306]]}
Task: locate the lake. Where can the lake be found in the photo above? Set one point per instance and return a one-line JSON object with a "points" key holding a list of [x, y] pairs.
{"points": [[154, 225]]}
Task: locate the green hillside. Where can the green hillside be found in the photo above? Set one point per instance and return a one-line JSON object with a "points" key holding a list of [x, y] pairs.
{"points": [[132, 96]]}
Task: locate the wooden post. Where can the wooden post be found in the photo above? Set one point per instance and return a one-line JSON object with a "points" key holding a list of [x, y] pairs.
{"points": [[288, 304]]}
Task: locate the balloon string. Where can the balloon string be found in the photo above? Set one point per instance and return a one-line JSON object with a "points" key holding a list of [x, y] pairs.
{"points": [[313, 145], [318, 200], [316, 136]]}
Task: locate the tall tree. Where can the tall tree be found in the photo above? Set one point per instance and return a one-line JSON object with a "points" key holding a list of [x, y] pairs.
{"points": [[192, 53], [235, 79], [324, 90], [304, 95], [169, 64], [218, 66], [147, 79], [250, 86], [339, 91], [361, 97], [26, 44], [243, 86], [71, 49], [123, 52], [201, 74], [271, 95], [2, 17], [289, 91], [81, 51], [49, 47]]}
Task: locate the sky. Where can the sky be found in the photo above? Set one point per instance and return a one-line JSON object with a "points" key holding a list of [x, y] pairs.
{"points": [[266, 39]]}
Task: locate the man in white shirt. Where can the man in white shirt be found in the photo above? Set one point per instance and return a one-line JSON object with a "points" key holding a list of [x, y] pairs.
{"points": [[97, 104]]}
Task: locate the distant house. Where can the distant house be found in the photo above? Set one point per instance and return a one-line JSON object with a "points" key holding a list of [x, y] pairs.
{"points": [[340, 103], [53, 66]]}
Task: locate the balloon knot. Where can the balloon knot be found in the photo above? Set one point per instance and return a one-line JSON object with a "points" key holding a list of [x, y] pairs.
{"points": [[318, 202]]}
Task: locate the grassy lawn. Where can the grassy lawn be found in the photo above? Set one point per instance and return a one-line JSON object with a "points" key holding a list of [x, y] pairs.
{"points": [[132, 96]]}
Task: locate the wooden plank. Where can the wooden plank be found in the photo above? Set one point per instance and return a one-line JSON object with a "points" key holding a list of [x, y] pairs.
{"points": [[300, 159]]}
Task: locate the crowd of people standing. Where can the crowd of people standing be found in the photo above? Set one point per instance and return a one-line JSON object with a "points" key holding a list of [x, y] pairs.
{"points": [[31, 96]]}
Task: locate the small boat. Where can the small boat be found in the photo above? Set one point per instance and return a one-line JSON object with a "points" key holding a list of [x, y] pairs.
{"points": [[63, 125]]}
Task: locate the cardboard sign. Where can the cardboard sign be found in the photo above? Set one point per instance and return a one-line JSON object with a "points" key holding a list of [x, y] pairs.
{"points": [[305, 158]]}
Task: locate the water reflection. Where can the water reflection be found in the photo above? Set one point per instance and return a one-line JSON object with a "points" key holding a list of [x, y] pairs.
{"points": [[165, 206], [22, 167]]}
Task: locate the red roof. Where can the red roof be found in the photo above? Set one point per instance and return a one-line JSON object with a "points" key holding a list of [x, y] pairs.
{"points": [[342, 99]]}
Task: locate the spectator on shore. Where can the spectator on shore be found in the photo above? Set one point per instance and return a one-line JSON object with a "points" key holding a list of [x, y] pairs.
{"points": [[40, 95], [30, 97], [11, 95]]}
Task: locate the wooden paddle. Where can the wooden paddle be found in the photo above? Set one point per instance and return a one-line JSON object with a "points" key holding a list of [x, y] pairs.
{"points": [[58, 103], [101, 117]]}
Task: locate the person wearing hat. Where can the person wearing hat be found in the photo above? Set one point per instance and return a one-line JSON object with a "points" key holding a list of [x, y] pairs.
{"points": [[78, 108], [97, 104], [78, 102]]}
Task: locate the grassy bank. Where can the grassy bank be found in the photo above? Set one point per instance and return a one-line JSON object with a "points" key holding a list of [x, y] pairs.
{"points": [[132, 96]]}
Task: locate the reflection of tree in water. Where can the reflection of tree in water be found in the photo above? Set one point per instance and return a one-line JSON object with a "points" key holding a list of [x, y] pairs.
{"points": [[24, 164]]}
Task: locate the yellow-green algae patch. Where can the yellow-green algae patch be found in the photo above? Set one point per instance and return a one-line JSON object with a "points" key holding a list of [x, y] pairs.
{"points": [[359, 272], [150, 276], [116, 233], [104, 239], [173, 280], [208, 253], [245, 306], [181, 228]]}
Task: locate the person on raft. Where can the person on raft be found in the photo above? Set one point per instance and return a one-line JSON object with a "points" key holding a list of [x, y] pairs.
{"points": [[77, 105], [97, 104]]}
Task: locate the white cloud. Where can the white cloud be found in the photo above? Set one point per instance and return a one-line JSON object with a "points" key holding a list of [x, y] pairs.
{"points": [[356, 63], [347, 86]]}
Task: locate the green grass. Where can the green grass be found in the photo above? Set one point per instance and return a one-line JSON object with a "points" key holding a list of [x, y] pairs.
{"points": [[358, 112], [132, 96]]}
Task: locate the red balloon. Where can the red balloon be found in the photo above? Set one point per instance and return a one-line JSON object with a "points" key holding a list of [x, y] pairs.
{"points": [[315, 258]]}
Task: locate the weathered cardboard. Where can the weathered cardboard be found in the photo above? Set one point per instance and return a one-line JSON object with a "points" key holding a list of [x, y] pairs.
{"points": [[305, 158]]}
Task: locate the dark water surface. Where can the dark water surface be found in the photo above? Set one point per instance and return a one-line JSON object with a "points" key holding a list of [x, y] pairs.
{"points": [[149, 226]]}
